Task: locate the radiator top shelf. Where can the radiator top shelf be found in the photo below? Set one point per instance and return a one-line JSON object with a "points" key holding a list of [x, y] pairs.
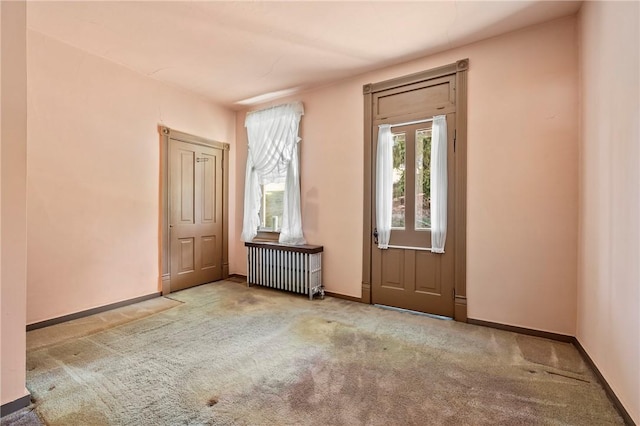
{"points": [[306, 248]]}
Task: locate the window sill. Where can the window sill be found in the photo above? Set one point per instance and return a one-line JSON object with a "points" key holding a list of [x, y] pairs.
{"points": [[266, 236]]}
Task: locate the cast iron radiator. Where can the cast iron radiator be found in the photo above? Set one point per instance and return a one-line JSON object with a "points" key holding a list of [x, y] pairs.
{"points": [[290, 268]]}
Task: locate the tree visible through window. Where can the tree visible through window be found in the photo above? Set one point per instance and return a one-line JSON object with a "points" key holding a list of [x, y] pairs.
{"points": [[422, 181], [399, 171]]}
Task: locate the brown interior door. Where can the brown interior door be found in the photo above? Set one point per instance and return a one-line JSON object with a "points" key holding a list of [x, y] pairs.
{"points": [[408, 275], [195, 214]]}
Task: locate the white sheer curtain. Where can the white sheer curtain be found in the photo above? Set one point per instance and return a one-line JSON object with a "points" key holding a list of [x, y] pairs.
{"points": [[291, 230], [438, 184], [384, 184], [273, 157]]}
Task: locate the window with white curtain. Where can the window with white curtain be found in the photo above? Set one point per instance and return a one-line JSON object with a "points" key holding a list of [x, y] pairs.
{"points": [[272, 180], [430, 191]]}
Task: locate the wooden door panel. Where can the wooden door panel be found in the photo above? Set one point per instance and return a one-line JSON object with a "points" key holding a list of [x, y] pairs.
{"points": [[212, 216], [208, 187], [428, 273], [208, 245], [186, 255], [187, 187], [393, 269]]}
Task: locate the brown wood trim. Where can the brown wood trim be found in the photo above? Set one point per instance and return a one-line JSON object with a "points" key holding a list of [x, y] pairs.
{"points": [[603, 382], [411, 78], [343, 296], [460, 308], [13, 406], [460, 237], [565, 339], [266, 236], [304, 248], [92, 311], [431, 111], [522, 330], [189, 138], [225, 212], [237, 278], [462, 64], [166, 284], [367, 225], [366, 292], [164, 200]]}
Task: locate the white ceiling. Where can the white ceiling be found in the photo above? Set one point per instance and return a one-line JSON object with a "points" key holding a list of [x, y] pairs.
{"points": [[231, 52]]}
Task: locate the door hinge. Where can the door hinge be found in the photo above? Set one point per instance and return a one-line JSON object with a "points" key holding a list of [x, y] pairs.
{"points": [[453, 293], [455, 139]]}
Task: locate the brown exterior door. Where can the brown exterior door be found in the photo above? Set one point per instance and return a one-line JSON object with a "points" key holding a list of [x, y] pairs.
{"points": [[407, 274], [195, 214]]}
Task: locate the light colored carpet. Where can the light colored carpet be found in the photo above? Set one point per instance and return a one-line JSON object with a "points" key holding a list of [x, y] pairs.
{"points": [[235, 356], [92, 324]]}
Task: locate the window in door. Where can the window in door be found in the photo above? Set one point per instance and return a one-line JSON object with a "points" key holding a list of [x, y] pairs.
{"points": [[423, 179], [418, 188], [399, 181]]}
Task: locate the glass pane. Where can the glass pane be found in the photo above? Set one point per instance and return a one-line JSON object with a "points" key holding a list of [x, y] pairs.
{"points": [[272, 206], [423, 179], [399, 168]]}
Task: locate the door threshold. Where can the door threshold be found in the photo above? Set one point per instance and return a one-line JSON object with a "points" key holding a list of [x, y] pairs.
{"points": [[434, 316]]}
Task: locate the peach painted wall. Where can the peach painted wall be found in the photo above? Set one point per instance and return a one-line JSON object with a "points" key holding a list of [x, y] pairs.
{"points": [[13, 196], [522, 175], [93, 176], [608, 321]]}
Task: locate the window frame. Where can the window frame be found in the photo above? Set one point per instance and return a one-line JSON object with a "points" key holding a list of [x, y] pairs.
{"points": [[429, 130], [264, 235]]}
